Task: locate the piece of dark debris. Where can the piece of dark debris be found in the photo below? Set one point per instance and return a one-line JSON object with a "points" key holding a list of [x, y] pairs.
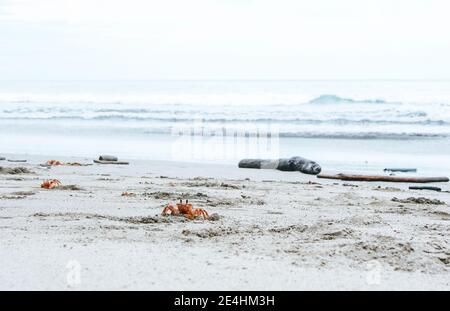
{"points": [[349, 185], [418, 200]]}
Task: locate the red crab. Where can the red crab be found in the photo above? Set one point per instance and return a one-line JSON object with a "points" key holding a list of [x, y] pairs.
{"points": [[54, 163], [185, 209], [59, 163], [50, 184]]}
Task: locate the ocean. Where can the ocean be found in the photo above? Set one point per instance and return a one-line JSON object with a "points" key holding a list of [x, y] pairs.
{"points": [[345, 125]]}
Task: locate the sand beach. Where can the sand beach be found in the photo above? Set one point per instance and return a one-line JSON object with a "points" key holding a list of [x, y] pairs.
{"points": [[269, 230]]}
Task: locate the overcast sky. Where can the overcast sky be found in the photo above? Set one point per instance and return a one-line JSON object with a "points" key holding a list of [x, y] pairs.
{"points": [[224, 39]]}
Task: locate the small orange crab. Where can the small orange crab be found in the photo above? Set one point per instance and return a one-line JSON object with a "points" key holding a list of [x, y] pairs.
{"points": [[185, 209], [50, 184], [54, 163]]}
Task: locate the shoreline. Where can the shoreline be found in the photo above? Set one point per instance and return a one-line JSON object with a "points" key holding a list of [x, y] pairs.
{"points": [[429, 156], [276, 230]]}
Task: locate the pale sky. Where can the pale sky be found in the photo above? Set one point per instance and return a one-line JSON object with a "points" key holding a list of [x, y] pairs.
{"points": [[224, 39]]}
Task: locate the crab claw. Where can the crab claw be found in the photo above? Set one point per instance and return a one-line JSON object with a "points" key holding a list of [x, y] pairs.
{"points": [[170, 208]]}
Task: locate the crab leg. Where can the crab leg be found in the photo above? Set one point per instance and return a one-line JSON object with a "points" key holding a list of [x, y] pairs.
{"points": [[201, 212]]}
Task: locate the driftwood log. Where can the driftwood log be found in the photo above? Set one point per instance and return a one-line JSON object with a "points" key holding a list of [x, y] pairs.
{"points": [[107, 158], [351, 177], [425, 188], [293, 164], [111, 162]]}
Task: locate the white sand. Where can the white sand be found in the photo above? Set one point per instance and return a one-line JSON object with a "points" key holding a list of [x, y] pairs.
{"points": [[277, 231]]}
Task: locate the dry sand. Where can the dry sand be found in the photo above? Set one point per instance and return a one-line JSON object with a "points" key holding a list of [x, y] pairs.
{"points": [[275, 230]]}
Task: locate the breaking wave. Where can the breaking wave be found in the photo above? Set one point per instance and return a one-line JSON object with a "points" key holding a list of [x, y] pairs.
{"points": [[334, 99], [325, 116]]}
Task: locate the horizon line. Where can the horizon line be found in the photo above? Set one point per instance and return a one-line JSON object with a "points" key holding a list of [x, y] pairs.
{"points": [[234, 80]]}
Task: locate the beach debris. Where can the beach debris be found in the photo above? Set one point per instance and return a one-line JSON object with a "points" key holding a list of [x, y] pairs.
{"points": [[108, 158], [15, 170], [51, 184], [425, 188], [111, 162], [352, 177], [292, 164], [17, 161], [349, 185], [185, 209], [419, 200], [391, 189], [128, 194], [401, 170]]}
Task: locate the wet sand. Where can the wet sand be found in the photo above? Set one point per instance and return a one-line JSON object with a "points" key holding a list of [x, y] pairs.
{"points": [[271, 230]]}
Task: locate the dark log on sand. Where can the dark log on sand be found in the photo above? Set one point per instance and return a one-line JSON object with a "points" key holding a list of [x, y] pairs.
{"points": [[425, 188], [352, 177], [107, 158], [111, 162], [293, 164]]}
